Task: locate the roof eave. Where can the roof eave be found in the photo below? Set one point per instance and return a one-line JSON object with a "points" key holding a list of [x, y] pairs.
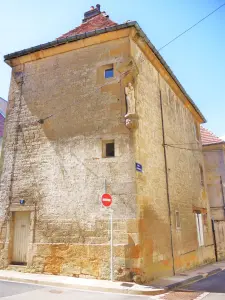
{"points": [[214, 144], [62, 41]]}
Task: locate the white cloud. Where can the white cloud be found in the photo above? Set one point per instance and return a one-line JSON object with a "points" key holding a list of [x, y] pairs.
{"points": [[222, 137]]}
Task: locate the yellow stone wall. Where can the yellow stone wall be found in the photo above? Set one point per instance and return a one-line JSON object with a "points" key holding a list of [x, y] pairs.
{"points": [[185, 190], [57, 167]]}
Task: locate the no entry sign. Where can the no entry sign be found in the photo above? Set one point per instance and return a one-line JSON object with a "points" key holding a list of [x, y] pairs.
{"points": [[106, 200]]}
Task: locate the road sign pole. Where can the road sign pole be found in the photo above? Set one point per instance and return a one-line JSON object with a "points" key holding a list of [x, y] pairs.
{"points": [[111, 245], [106, 202]]}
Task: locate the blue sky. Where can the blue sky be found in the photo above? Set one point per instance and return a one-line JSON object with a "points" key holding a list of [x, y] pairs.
{"points": [[197, 58]]}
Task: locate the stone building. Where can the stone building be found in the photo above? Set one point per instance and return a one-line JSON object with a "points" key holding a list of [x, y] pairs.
{"points": [[214, 159], [99, 110]]}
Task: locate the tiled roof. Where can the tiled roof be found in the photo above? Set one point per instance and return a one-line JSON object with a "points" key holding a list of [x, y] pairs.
{"points": [[209, 138], [71, 36], [99, 21]]}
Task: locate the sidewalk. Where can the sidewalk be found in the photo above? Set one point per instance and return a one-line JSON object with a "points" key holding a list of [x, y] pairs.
{"points": [[81, 283], [169, 283], [157, 287]]}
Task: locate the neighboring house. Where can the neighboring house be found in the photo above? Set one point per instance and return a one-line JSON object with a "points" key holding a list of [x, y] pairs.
{"points": [[3, 106], [214, 160], [99, 110]]}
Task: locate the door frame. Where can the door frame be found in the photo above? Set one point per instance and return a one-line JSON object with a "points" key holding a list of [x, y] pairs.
{"points": [[10, 233]]}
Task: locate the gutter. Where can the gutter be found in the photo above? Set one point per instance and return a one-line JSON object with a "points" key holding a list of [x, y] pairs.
{"points": [[166, 176], [214, 144], [96, 32]]}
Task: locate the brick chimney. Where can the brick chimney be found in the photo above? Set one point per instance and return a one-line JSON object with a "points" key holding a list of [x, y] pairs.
{"points": [[93, 19], [94, 11]]}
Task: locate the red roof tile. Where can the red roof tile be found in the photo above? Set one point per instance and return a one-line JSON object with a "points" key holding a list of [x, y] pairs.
{"points": [[96, 22], [208, 137]]}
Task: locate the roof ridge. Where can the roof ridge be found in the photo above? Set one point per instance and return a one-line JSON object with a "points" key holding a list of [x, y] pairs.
{"points": [[99, 21], [96, 32]]}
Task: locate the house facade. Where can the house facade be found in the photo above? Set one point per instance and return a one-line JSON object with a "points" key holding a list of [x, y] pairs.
{"points": [[214, 160], [99, 111]]}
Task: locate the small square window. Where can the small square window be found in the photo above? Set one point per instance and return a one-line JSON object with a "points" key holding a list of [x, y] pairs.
{"points": [[109, 73], [108, 149]]}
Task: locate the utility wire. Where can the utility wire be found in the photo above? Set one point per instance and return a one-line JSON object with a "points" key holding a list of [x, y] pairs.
{"points": [[183, 148], [195, 143], [191, 27]]}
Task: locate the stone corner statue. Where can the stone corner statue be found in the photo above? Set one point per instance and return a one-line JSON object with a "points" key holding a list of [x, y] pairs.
{"points": [[130, 98], [130, 117]]}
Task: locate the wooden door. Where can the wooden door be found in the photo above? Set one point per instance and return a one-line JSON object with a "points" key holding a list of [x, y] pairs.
{"points": [[21, 230]]}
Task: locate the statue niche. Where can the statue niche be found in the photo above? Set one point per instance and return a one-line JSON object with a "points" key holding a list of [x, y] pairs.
{"points": [[130, 98], [130, 117]]}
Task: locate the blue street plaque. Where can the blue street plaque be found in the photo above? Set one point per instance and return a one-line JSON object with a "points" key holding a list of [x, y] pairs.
{"points": [[22, 201], [138, 167]]}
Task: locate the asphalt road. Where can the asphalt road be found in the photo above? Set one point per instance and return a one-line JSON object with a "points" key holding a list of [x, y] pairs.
{"points": [[20, 291], [211, 284], [211, 288]]}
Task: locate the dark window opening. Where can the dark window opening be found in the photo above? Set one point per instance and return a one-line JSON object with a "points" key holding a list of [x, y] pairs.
{"points": [[110, 150], [109, 73]]}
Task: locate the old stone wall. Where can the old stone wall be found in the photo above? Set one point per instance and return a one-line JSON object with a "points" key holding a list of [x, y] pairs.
{"points": [[57, 167], [215, 175], [220, 238], [186, 192]]}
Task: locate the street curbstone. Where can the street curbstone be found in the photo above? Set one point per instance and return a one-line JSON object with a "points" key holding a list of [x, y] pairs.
{"points": [[153, 292], [214, 271]]}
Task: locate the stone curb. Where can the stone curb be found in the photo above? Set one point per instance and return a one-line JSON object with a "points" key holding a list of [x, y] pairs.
{"points": [[214, 271], [184, 282], [156, 291], [193, 279]]}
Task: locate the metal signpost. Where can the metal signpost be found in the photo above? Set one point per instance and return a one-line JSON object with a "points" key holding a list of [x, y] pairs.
{"points": [[107, 201]]}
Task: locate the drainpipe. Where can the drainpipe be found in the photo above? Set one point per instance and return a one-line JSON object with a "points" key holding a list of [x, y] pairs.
{"points": [[167, 178]]}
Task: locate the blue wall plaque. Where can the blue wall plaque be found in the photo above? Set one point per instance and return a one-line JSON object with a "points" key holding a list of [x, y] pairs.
{"points": [[138, 167]]}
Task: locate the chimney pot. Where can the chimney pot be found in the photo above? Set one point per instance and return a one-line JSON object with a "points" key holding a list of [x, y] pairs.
{"points": [[94, 11]]}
